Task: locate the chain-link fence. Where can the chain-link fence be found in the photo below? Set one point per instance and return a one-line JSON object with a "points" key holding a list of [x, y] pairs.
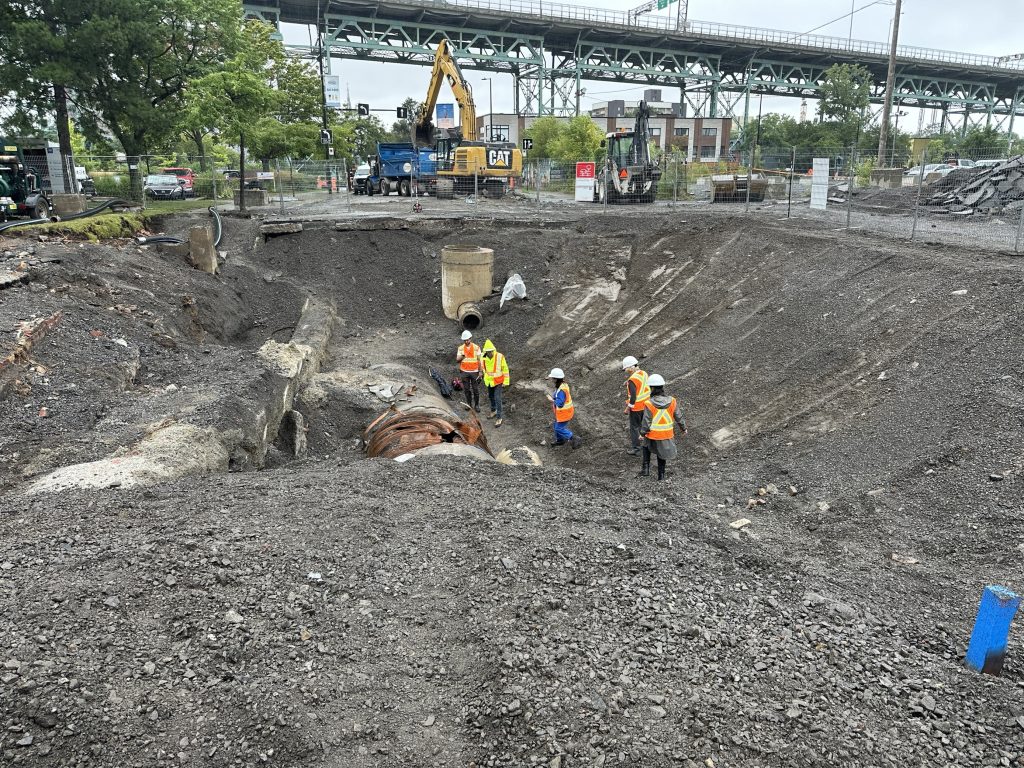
{"points": [[975, 201]]}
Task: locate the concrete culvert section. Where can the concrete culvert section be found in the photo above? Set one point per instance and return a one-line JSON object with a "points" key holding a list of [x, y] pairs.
{"points": [[814, 559]]}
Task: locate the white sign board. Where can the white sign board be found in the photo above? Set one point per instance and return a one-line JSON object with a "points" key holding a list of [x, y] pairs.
{"points": [[585, 173], [819, 183], [332, 91]]}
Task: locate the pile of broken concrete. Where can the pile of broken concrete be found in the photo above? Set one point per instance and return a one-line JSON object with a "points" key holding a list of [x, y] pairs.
{"points": [[968, 191]]}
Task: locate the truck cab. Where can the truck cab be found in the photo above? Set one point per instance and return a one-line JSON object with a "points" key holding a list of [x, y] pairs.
{"points": [[21, 186]]}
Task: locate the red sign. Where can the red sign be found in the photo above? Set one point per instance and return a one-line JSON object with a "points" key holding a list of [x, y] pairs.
{"points": [[586, 170]]}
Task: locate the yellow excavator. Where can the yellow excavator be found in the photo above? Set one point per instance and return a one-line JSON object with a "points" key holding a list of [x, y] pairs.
{"points": [[463, 164]]}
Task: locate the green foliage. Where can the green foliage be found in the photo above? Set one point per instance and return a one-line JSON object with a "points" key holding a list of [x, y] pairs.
{"points": [[845, 92], [580, 139], [270, 139], [545, 133], [862, 171], [356, 138]]}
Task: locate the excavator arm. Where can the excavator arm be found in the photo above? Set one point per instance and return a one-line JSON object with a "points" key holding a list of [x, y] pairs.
{"points": [[445, 68]]}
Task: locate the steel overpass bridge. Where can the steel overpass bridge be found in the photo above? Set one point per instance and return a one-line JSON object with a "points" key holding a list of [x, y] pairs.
{"points": [[552, 48]]}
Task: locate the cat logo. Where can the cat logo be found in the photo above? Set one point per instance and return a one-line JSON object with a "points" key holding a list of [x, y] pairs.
{"points": [[499, 158]]}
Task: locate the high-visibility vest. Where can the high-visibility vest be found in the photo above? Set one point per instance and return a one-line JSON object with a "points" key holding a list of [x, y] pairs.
{"points": [[643, 391], [494, 370], [662, 421], [471, 358], [566, 411]]}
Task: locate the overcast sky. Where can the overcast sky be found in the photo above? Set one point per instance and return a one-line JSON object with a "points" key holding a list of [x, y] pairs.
{"points": [[991, 27]]}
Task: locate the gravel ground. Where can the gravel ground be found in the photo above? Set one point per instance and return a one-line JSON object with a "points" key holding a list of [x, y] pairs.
{"points": [[858, 399]]}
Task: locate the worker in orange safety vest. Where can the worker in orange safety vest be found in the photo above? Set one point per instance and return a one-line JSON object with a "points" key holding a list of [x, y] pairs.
{"points": [[561, 402], [638, 392], [661, 415], [496, 379], [468, 357]]}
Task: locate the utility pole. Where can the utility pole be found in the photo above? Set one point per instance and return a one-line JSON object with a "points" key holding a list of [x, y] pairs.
{"points": [[890, 82], [323, 99]]}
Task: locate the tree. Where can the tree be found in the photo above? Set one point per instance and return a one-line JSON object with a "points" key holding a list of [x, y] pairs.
{"points": [[289, 94], [545, 132], [356, 138], [845, 91], [401, 130], [579, 140]]}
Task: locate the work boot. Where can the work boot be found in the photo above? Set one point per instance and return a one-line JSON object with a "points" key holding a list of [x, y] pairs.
{"points": [[497, 423], [661, 472], [576, 442], [645, 469], [492, 414], [633, 452], [559, 442]]}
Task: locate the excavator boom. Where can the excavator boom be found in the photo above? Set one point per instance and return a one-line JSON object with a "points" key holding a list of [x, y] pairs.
{"points": [[445, 68]]}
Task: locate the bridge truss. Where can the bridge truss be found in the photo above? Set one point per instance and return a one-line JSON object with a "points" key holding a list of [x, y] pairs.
{"points": [[552, 49]]}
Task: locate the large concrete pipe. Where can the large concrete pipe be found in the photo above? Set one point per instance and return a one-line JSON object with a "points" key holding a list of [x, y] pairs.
{"points": [[418, 421], [470, 316], [467, 275]]}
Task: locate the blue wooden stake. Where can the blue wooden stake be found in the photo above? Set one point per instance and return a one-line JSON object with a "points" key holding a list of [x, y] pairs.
{"points": [[987, 648]]}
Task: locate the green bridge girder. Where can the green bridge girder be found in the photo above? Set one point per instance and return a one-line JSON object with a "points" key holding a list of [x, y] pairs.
{"points": [[550, 53]]}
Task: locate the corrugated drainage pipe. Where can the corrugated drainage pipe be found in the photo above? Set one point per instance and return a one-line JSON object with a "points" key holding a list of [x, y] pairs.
{"points": [[470, 316]]}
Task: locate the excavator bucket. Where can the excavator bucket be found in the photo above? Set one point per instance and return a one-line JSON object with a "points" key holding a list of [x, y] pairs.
{"points": [[423, 134]]}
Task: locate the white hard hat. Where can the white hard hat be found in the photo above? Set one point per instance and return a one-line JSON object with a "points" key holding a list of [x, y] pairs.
{"points": [[556, 373], [656, 380], [629, 361], [466, 335]]}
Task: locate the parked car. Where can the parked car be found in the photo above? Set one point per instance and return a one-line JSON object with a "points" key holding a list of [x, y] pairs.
{"points": [[164, 186], [916, 170], [989, 163], [185, 174], [960, 162], [359, 179]]}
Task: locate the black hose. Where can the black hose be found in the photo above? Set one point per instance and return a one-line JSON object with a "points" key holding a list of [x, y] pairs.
{"points": [[13, 224], [82, 215], [98, 208], [178, 241]]}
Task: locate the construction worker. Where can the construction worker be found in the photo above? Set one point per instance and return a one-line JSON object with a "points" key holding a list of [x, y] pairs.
{"points": [[661, 415], [561, 401], [496, 378], [468, 358], [637, 393]]}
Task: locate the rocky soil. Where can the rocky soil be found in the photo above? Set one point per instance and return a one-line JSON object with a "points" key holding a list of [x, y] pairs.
{"points": [[858, 402]]}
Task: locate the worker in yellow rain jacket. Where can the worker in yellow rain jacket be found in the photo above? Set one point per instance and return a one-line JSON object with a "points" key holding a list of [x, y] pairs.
{"points": [[496, 379], [661, 415], [468, 358], [638, 391]]}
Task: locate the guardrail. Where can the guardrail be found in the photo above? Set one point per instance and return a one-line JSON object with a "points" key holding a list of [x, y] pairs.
{"points": [[729, 32]]}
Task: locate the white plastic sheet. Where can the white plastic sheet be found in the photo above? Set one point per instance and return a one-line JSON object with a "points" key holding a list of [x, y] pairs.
{"points": [[514, 288]]}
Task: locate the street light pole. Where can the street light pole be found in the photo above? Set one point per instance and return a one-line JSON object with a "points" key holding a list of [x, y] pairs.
{"points": [[890, 82], [323, 100], [490, 108]]}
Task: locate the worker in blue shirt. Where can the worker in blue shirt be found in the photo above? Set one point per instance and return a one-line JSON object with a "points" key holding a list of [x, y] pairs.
{"points": [[561, 402]]}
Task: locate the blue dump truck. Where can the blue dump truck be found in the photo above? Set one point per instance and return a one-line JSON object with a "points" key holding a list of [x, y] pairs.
{"points": [[401, 168]]}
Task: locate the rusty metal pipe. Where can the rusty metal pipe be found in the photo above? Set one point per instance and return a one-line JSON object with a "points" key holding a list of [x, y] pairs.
{"points": [[470, 316]]}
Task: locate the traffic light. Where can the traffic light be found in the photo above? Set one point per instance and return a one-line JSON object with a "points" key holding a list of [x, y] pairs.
{"points": [[325, 137], [402, 113], [364, 109]]}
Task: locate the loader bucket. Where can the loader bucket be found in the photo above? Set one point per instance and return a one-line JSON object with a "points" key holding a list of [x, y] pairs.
{"points": [[733, 189]]}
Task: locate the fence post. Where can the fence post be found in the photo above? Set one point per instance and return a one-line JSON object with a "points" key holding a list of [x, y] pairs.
{"points": [[606, 193], [851, 179], [750, 166], [476, 185], [1020, 231], [675, 179], [277, 181], [917, 198], [792, 170]]}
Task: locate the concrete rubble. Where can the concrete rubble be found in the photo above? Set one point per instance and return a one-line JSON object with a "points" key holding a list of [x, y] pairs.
{"points": [[968, 191]]}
